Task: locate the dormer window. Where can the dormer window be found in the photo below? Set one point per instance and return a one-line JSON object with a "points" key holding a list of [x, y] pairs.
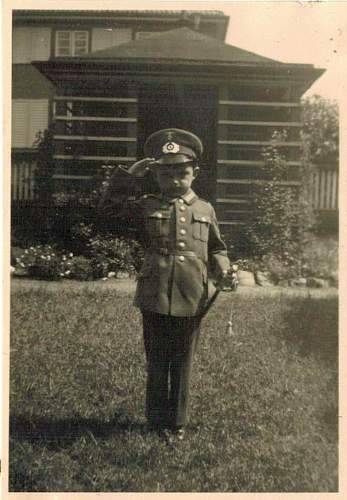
{"points": [[71, 43]]}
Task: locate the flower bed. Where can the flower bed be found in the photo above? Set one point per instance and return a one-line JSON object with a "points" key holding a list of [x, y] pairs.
{"points": [[105, 258]]}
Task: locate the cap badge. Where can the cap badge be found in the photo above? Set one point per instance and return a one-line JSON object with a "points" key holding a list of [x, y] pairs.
{"points": [[170, 147]]}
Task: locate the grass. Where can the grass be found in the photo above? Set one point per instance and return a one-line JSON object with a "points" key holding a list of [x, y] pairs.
{"points": [[263, 409]]}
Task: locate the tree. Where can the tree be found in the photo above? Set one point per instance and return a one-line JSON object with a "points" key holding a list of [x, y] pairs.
{"points": [[320, 129]]}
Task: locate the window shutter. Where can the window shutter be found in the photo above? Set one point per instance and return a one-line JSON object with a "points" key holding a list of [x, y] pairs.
{"points": [[120, 36], [20, 123], [28, 117], [41, 44], [30, 44], [21, 45], [38, 118], [103, 38]]}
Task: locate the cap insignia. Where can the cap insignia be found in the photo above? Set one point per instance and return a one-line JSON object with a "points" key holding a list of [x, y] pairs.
{"points": [[170, 147]]}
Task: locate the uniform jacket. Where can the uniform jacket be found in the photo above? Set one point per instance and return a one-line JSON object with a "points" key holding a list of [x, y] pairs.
{"points": [[182, 242]]}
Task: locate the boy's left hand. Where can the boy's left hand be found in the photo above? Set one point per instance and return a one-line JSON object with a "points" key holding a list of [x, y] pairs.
{"points": [[228, 279]]}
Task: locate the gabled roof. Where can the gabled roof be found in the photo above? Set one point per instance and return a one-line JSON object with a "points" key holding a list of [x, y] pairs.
{"points": [[179, 44]]}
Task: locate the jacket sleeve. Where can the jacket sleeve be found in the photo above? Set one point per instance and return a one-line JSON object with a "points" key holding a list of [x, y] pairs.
{"points": [[217, 250], [116, 208], [120, 185]]}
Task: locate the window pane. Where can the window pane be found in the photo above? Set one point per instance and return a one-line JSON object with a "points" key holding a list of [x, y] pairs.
{"points": [[63, 45], [79, 52], [71, 43], [63, 35], [80, 42], [64, 52], [80, 35]]}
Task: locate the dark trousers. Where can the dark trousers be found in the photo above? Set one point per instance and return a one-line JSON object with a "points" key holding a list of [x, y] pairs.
{"points": [[170, 343]]}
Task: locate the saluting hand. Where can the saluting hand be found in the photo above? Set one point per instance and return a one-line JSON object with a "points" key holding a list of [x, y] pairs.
{"points": [[141, 167]]}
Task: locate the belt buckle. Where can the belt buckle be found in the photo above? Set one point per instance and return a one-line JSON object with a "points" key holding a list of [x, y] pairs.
{"points": [[163, 251]]}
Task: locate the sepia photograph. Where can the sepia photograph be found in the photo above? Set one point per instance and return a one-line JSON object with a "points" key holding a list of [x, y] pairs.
{"points": [[173, 179]]}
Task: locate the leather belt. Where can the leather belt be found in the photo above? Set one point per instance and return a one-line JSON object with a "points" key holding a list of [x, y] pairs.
{"points": [[166, 251]]}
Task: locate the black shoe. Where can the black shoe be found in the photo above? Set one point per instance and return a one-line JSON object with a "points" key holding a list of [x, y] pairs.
{"points": [[178, 433], [158, 426]]}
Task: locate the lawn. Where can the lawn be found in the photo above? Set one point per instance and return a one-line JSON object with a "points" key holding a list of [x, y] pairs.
{"points": [[263, 409]]}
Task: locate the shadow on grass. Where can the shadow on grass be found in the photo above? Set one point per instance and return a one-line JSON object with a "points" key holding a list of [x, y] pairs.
{"points": [[312, 328], [311, 331], [62, 433]]}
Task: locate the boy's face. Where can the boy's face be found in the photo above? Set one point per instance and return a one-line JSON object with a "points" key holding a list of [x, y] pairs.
{"points": [[175, 180]]}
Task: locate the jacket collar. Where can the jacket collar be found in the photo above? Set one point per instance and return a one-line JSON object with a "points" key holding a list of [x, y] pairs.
{"points": [[188, 198]]}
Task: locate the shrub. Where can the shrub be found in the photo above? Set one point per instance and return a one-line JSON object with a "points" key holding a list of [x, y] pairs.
{"points": [[80, 235], [103, 255], [45, 262], [81, 268], [282, 214], [111, 254]]}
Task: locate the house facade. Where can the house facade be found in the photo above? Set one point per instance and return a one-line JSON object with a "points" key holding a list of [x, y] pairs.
{"points": [[105, 80]]}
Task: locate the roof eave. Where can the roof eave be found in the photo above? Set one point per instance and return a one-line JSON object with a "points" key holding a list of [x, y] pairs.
{"points": [[56, 70]]}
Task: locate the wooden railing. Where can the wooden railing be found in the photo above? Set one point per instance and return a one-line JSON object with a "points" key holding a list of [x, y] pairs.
{"points": [[326, 182], [325, 186], [22, 179]]}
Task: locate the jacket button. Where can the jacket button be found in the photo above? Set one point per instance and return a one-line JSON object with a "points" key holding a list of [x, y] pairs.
{"points": [[183, 231], [182, 208], [182, 219], [181, 258], [181, 244], [180, 200], [159, 216]]}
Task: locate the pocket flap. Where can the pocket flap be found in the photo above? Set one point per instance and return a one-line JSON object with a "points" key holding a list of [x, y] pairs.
{"points": [[202, 218]]}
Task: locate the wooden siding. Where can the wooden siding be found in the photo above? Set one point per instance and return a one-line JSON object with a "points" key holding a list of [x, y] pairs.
{"points": [[91, 130], [245, 127]]}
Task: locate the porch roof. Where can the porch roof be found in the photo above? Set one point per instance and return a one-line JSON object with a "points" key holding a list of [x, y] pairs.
{"points": [[180, 44], [178, 52]]}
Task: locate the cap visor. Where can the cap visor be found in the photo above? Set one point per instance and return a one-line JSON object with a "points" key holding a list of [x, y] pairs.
{"points": [[172, 159]]}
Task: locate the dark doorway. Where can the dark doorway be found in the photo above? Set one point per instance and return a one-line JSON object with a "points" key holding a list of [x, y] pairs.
{"points": [[188, 107]]}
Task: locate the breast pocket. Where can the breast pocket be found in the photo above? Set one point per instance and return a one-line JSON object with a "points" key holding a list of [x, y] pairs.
{"points": [[201, 227], [158, 224]]}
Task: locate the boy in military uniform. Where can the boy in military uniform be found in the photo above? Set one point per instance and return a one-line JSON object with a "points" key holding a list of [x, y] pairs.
{"points": [[183, 247]]}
